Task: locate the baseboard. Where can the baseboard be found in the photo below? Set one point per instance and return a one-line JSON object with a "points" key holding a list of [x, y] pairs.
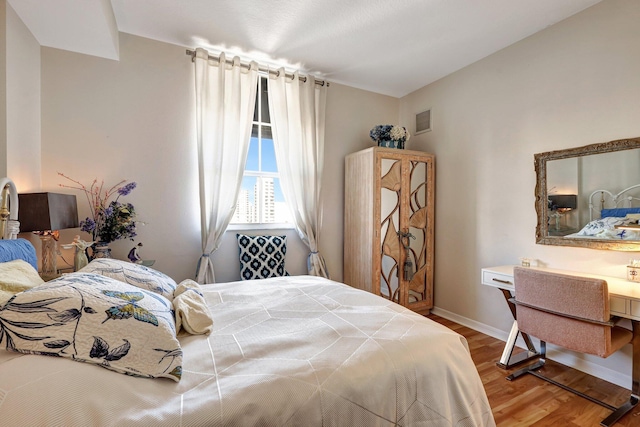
{"points": [[553, 353]]}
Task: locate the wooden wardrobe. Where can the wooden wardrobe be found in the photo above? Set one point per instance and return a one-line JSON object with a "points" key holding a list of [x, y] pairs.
{"points": [[389, 225]]}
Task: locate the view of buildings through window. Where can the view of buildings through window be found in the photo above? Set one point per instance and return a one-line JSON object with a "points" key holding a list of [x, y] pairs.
{"points": [[260, 199]]}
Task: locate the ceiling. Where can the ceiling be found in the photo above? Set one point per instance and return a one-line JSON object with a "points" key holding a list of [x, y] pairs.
{"points": [[392, 47]]}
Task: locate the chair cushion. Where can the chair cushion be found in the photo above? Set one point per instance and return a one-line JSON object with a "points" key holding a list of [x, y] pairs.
{"points": [[572, 334], [619, 337]]}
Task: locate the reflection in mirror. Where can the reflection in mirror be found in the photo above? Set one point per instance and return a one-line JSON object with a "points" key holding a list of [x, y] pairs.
{"points": [[578, 189], [418, 203], [389, 226], [562, 194]]}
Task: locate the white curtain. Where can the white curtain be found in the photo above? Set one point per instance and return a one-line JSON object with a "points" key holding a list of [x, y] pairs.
{"points": [[225, 100], [297, 111]]}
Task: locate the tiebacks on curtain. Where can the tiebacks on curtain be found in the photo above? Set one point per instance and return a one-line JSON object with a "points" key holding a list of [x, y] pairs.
{"points": [[322, 263], [262, 68], [200, 262]]}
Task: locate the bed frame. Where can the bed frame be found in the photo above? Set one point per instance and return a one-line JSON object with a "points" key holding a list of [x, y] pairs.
{"points": [[609, 200], [9, 225]]}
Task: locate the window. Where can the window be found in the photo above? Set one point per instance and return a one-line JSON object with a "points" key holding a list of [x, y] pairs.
{"points": [[260, 200]]}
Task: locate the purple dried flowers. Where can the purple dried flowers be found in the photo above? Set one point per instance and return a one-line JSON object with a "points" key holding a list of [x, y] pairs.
{"points": [[126, 189], [88, 225], [109, 220]]}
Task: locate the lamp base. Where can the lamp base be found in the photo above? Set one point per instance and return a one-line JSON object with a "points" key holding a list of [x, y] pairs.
{"points": [[49, 257]]}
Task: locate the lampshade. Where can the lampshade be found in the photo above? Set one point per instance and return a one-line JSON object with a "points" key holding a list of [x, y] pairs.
{"points": [[563, 201], [47, 211]]}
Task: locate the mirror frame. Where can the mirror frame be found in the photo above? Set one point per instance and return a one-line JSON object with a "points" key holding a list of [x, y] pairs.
{"points": [[542, 212]]}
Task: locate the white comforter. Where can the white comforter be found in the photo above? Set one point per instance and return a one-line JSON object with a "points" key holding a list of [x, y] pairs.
{"points": [[298, 351]]}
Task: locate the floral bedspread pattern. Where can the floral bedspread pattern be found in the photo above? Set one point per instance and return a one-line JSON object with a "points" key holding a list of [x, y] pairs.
{"points": [[95, 319], [283, 351], [604, 228]]}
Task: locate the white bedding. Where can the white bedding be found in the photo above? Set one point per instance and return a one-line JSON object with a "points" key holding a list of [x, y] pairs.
{"points": [[604, 228], [285, 351]]}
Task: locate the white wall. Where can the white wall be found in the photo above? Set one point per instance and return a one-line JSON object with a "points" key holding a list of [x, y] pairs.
{"points": [[134, 119], [129, 119], [3, 88], [573, 84], [23, 104], [19, 101]]}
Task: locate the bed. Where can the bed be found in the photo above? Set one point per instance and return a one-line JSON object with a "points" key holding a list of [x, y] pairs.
{"points": [[296, 350], [612, 216]]}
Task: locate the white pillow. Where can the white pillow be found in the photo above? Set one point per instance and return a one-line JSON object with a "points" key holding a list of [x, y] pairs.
{"points": [[95, 319], [17, 276], [133, 274]]}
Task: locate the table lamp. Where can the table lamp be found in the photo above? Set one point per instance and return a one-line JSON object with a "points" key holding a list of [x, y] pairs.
{"points": [[561, 204], [45, 214]]}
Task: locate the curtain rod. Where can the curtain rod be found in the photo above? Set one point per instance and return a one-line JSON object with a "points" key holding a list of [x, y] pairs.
{"points": [[262, 68]]}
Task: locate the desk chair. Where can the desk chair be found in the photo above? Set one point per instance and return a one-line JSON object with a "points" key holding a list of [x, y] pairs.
{"points": [[571, 312]]}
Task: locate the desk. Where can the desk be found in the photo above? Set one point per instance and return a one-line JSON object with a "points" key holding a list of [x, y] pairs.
{"points": [[624, 299], [502, 278]]}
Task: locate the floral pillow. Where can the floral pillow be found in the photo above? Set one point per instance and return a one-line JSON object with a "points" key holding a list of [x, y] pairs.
{"points": [[262, 257], [95, 319], [133, 274]]}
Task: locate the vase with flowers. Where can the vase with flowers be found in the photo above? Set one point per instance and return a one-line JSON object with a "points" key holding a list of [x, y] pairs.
{"points": [[110, 219], [391, 136]]}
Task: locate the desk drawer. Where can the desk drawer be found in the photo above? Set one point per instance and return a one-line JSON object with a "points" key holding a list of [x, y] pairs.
{"points": [[618, 306], [635, 309], [499, 280]]}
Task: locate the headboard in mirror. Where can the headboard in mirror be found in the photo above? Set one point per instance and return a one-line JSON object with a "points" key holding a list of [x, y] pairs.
{"points": [[574, 185]]}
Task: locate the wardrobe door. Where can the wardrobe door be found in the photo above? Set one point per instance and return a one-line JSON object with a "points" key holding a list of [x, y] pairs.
{"points": [[389, 219], [418, 245]]}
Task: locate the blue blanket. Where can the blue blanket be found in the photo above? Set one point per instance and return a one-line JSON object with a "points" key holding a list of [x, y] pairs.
{"points": [[618, 212], [18, 249]]}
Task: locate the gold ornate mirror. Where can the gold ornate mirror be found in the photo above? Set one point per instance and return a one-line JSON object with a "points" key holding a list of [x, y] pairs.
{"points": [[574, 186]]}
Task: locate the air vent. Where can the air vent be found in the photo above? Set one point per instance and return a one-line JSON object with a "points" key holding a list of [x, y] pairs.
{"points": [[423, 122]]}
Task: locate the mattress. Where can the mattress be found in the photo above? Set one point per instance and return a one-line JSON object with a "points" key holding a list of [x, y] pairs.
{"points": [[284, 352]]}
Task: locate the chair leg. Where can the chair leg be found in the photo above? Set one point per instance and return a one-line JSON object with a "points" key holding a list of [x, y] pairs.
{"points": [[620, 412], [526, 370], [530, 369], [607, 422], [635, 383]]}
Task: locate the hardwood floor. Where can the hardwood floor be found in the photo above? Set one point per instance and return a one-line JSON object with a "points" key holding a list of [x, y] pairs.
{"points": [[530, 401]]}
